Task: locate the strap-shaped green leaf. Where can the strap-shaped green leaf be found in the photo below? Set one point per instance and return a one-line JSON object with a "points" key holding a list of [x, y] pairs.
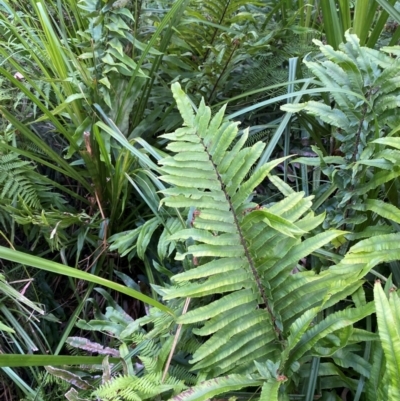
{"points": [[383, 209], [389, 333]]}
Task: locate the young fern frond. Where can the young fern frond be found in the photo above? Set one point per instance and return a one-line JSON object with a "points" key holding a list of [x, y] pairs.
{"points": [[138, 388], [149, 383]]}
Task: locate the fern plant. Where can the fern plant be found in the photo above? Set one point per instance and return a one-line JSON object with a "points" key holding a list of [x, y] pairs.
{"points": [[141, 371], [272, 68], [225, 37], [17, 181], [364, 118], [257, 319], [251, 309], [23, 189]]}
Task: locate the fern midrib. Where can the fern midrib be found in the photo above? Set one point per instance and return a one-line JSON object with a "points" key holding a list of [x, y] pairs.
{"points": [[257, 278]]}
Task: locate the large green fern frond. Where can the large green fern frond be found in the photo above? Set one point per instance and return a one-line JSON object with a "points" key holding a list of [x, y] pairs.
{"points": [[244, 254]]}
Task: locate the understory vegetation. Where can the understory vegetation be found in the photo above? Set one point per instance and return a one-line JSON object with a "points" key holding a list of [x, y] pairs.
{"points": [[200, 200]]}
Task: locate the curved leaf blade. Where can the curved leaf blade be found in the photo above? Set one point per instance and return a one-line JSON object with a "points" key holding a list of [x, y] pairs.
{"points": [[389, 333], [210, 388], [48, 265]]}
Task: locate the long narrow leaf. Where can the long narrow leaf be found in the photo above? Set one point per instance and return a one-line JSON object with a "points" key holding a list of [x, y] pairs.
{"points": [[390, 9], [40, 263], [293, 94], [390, 338], [17, 360]]}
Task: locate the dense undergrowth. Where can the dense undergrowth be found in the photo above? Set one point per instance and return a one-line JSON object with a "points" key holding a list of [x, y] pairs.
{"points": [[199, 200]]}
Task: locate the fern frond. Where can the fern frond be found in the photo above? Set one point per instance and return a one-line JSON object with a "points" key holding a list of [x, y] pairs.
{"points": [[248, 251], [20, 182], [182, 373], [332, 323], [368, 253], [138, 388], [16, 181]]}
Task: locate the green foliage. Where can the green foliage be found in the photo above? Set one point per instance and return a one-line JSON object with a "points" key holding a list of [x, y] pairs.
{"points": [[255, 292], [12, 294], [220, 36], [273, 69], [110, 47], [90, 63], [255, 314], [360, 122], [243, 255], [47, 265], [388, 326], [252, 316], [132, 388], [140, 373], [230, 44], [18, 182], [366, 19]]}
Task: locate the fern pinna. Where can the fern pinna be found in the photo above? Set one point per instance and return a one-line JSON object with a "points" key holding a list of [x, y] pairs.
{"points": [[243, 256]]}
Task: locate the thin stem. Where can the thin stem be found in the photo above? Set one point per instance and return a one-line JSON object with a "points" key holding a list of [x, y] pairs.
{"points": [[236, 42], [174, 344]]}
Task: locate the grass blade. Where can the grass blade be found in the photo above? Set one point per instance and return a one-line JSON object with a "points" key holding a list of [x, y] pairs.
{"points": [[48, 265], [17, 360]]}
